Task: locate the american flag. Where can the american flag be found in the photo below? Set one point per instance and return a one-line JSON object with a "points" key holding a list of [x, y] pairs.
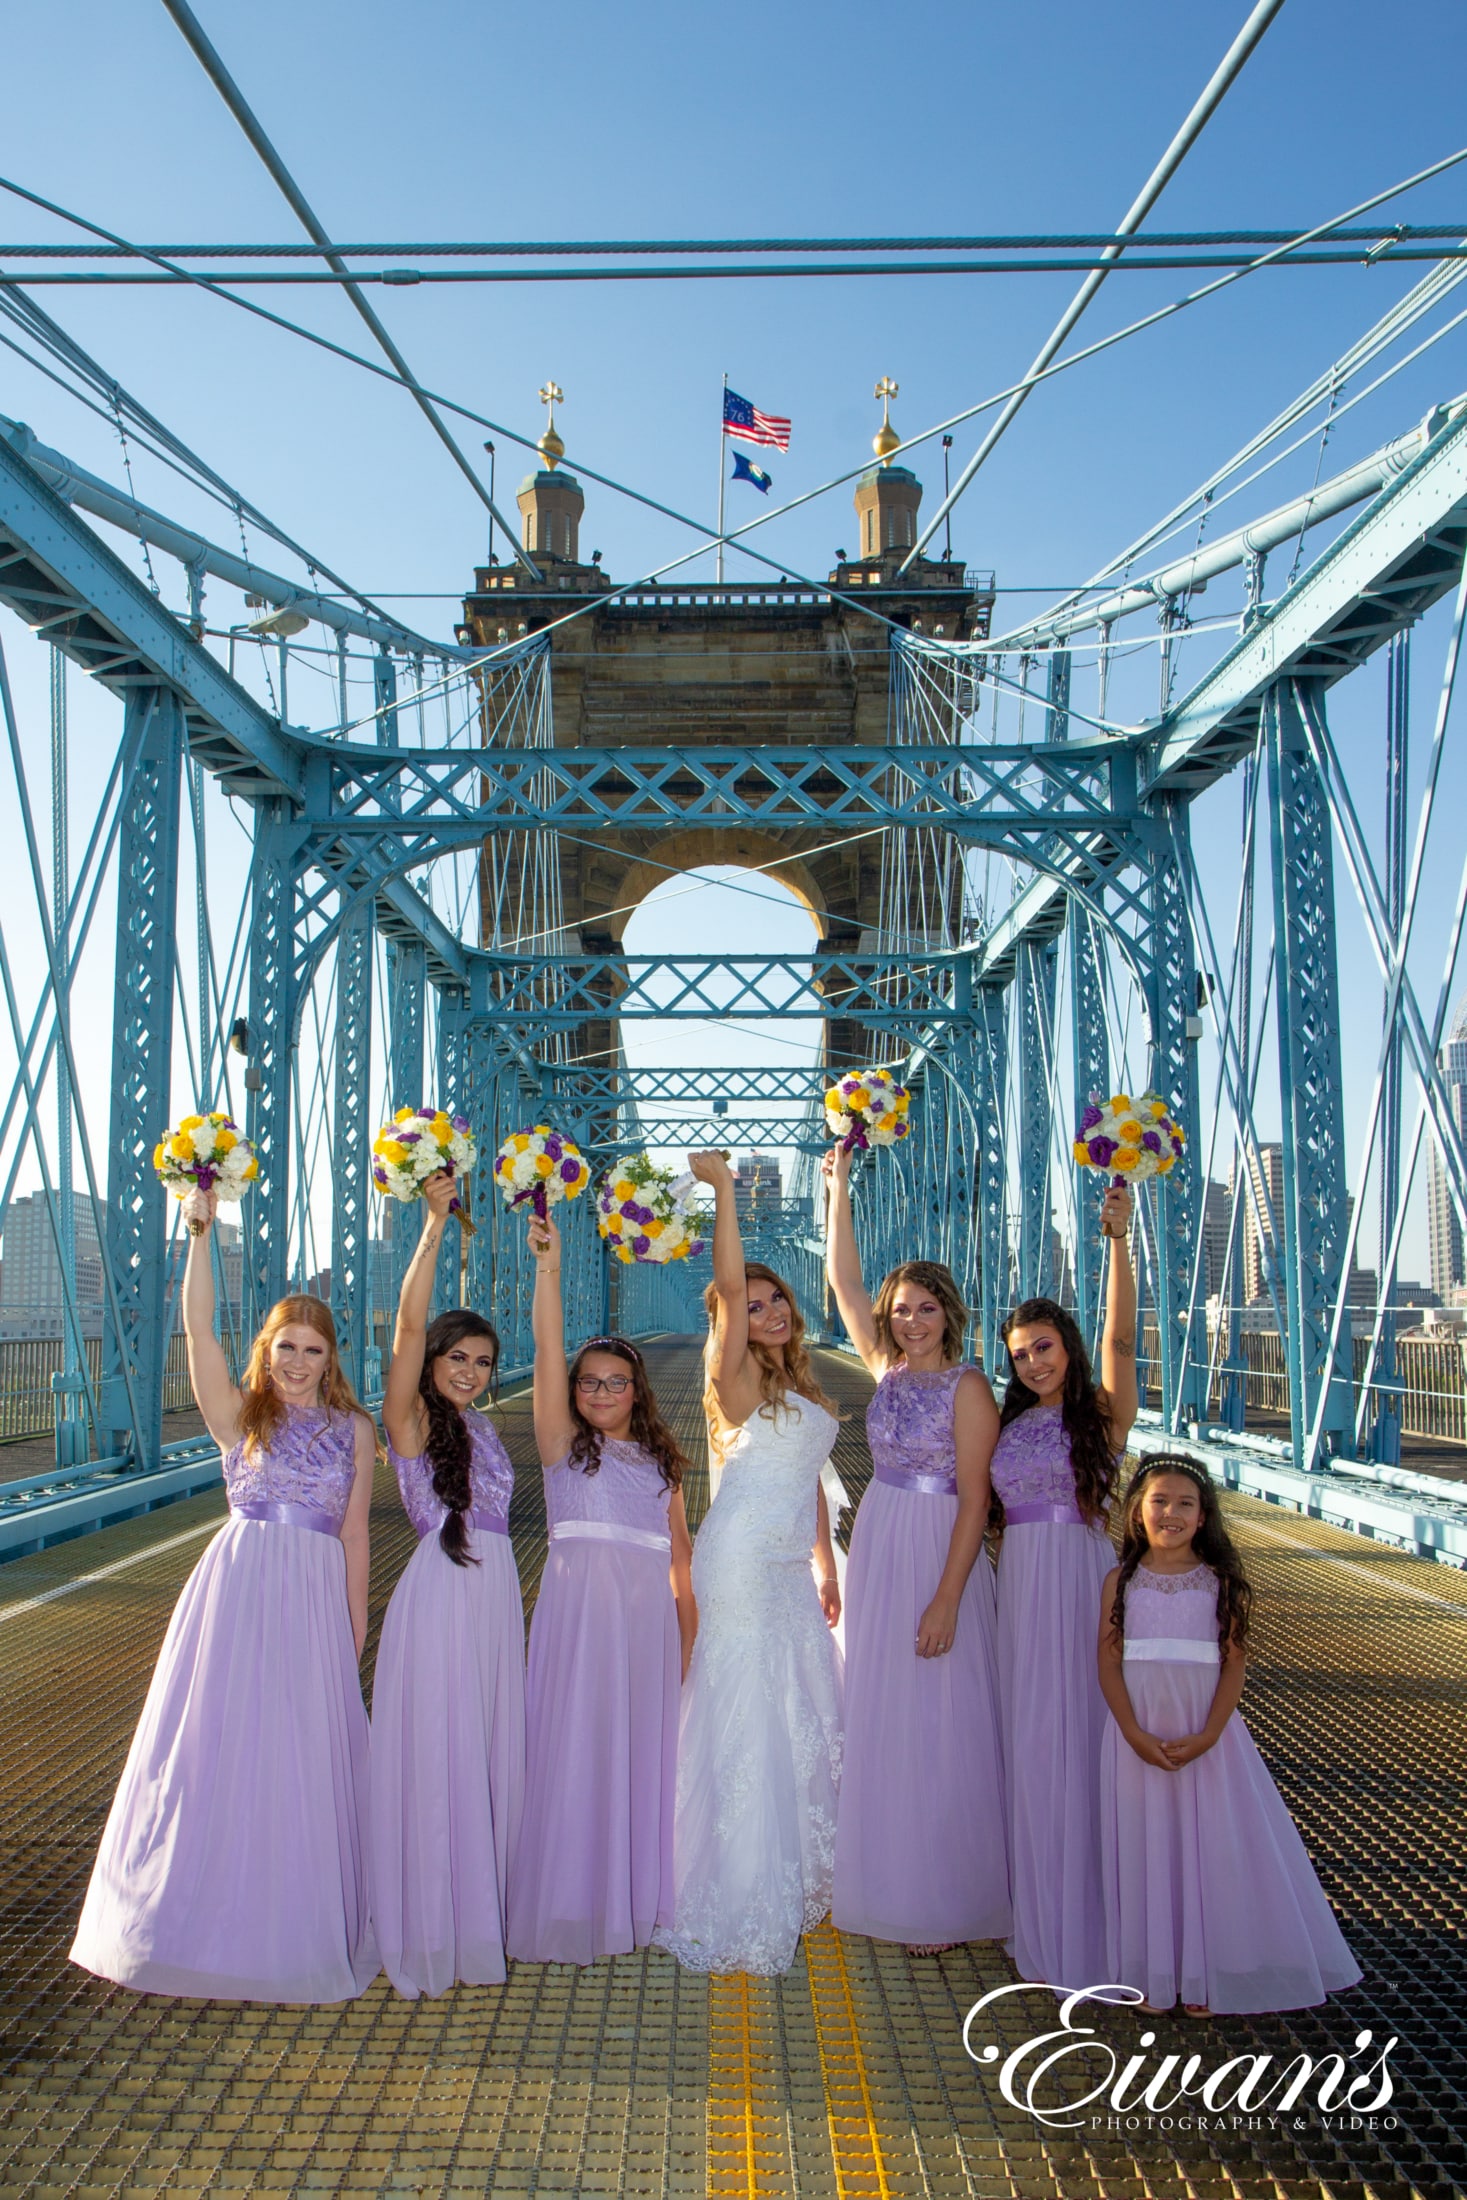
{"points": [[748, 425]]}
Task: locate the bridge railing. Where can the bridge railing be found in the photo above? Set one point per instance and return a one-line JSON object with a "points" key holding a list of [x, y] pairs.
{"points": [[1432, 1374]]}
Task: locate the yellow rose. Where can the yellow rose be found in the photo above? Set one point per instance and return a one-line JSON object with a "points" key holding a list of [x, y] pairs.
{"points": [[1167, 1161], [624, 1252], [624, 1188], [403, 1115], [190, 1122], [542, 1130], [653, 1229], [252, 1171], [544, 1164], [1121, 1102], [1158, 1110], [1129, 1132], [441, 1125], [832, 1098], [181, 1147], [521, 1142], [856, 1103], [1124, 1157], [391, 1150], [1082, 1153], [160, 1154], [225, 1141]]}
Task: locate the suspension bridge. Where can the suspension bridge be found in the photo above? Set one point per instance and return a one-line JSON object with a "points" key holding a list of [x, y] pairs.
{"points": [[1168, 831]]}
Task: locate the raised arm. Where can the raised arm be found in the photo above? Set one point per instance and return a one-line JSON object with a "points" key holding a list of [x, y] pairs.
{"points": [[216, 1396], [843, 1262], [975, 1432], [554, 1426], [403, 1416], [1118, 1338], [727, 1362]]}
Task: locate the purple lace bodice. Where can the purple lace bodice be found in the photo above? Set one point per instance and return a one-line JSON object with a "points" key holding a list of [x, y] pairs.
{"points": [[1031, 1460], [312, 1461], [909, 1421], [491, 1478], [627, 1488], [1178, 1607]]}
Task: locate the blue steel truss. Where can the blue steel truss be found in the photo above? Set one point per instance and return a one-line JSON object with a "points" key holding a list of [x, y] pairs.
{"points": [[1099, 828]]}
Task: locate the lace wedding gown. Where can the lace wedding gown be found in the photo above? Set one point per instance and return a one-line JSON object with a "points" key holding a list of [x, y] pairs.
{"points": [[760, 1741]]}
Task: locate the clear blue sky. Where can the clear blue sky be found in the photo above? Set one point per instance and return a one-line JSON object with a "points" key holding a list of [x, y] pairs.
{"points": [[440, 121]]}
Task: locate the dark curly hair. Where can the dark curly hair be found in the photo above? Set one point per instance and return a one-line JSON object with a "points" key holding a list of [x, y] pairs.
{"points": [[448, 1448], [1211, 1544], [1086, 1420], [647, 1426]]}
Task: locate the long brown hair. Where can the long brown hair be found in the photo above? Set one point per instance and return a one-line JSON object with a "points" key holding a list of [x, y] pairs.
{"points": [[778, 1374], [1212, 1545], [1086, 1419], [928, 1275], [449, 1449], [262, 1409], [647, 1425]]}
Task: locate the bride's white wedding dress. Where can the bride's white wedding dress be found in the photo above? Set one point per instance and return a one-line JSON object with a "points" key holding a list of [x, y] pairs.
{"points": [[760, 1740]]}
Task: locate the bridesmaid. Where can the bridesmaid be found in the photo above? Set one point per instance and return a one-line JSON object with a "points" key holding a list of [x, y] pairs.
{"points": [[448, 1702], [609, 1643], [921, 1847], [1060, 1442], [234, 1862]]}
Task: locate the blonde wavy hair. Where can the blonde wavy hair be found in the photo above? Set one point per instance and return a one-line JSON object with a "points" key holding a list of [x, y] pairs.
{"points": [[779, 1374], [262, 1409]]}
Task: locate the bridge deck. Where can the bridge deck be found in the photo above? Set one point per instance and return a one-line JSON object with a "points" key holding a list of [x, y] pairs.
{"points": [[845, 2078]]}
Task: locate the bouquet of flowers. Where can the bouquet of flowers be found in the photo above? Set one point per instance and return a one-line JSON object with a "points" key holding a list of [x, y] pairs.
{"points": [[207, 1152], [645, 1213], [540, 1166], [415, 1145], [867, 1108], [1132, 1139]]}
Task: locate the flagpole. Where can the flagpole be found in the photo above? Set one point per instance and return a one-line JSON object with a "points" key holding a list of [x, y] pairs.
{"points": [[721, 453]]}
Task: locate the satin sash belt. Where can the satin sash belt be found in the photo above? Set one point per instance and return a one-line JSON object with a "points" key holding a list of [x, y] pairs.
{"points": [[1018, 1516], [287, 1515], [932, 1485], [491, 1523], [610, 1531], [1170, 1650]]}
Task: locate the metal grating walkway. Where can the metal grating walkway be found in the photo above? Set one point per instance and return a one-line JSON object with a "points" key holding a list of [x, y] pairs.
{"points": [[845, 2079]]}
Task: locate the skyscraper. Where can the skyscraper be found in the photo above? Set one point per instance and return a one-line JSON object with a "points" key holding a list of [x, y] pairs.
{"points": [[1444, 1226]]}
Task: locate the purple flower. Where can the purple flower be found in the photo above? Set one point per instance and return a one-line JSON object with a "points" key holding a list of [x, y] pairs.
{"points": [[641, 1245], [631, 1210], [409, 1138], [570, 1170], [1151, 1141], [1101, 1150], [459, 1122], [379, 1177], [427, 1114], [1090, 1118], [1176, 1145], [695, 1248], [553, 1147]]}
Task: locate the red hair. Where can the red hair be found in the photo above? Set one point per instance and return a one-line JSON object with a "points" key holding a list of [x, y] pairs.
{"points": [[262, 1409]]}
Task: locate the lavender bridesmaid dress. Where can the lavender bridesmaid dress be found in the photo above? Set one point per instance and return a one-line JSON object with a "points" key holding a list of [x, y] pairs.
{"points": [[448, 1736], [1050, 1571], [234, 1862], [593, 1875], [1208, 1891], [921, 1846]]}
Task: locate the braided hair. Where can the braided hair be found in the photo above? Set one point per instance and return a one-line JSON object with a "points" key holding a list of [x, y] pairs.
{"points": [[647, 1425], [1083, 1406], [449, 1450], [1212, 1544]]}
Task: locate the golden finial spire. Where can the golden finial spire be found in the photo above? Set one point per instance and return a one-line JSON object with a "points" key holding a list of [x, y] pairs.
{"points": [[550, 447], [886, 440]]}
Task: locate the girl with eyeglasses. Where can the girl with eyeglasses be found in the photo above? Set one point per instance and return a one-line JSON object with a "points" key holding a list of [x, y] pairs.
{"points": [[610, 1640], [448, 1702]]}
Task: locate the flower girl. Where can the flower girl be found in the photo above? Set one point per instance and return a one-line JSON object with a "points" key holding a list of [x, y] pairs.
{"points": [[448, 1703], [1208, 1892]]}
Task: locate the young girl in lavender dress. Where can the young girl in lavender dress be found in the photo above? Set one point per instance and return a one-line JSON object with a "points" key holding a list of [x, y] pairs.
{"points": [[921, 1847], [759, 1748], [234, 1863], [448, 1701], [1208, 1892], [609, 1643], [1060, 1441]]}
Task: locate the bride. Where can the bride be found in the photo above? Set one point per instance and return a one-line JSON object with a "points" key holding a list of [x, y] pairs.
{"points": [[759, 1747]]}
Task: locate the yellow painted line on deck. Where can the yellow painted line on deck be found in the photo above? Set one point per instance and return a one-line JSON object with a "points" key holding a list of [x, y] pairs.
{"points": [[860, 2167], [748, 2154]]}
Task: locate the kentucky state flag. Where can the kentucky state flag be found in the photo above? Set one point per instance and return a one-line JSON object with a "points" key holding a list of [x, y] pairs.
{"points": [[744, 469]]}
